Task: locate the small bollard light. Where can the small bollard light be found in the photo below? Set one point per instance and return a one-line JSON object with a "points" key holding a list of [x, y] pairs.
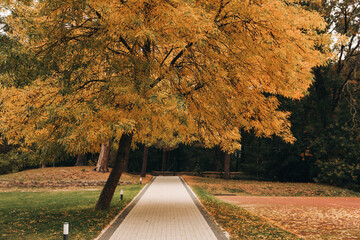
{"points": [[66, 230], [121, 194], [140, 180]]}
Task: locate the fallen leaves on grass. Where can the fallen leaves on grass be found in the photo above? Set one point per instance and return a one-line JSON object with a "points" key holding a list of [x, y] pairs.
{"points": [[239, 223], [314, 222], [261, 188], [61, 177]]}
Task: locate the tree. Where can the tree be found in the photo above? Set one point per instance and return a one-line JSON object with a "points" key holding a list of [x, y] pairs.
{"points": [[227, 166], [81, 160], [144, 163], [344, 22], [104, 157], [335, 146], [114, 177], [218, 156], [325, 122], [196, 69]]}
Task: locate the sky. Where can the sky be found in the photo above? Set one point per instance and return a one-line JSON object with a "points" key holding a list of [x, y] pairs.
{"points": [[3, 13]]}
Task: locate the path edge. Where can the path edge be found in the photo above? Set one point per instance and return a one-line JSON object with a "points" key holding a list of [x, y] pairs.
{"points": [[109, 230], [219, 232]]}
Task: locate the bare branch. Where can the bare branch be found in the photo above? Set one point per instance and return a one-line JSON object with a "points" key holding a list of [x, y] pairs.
{"points": [[167, 55], [179, 55], [122, 40]]}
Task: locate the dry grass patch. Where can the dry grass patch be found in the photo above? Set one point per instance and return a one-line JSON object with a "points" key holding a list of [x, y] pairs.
{"points": [[313, 211], [239, 223], [262, 188], [60, 178]]}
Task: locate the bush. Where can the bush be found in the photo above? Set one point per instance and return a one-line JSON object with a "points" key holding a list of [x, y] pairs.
{"points": [[338, 172], [14, 161]]}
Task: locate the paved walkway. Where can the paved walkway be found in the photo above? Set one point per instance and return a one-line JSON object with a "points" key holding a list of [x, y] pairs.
{"points": [[166, 210]]}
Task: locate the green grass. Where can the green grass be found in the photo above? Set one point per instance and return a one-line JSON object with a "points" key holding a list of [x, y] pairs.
{"points": [[40, 215], [239, 223]]}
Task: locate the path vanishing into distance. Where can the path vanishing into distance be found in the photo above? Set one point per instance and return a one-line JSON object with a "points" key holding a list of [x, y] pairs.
{"points": [[165, 209]]}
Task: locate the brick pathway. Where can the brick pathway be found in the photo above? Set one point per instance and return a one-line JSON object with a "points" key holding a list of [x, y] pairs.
{"points": [[166, 210]]}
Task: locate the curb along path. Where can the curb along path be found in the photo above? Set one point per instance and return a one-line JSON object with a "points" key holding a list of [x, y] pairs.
{"points": [[166, 210]]}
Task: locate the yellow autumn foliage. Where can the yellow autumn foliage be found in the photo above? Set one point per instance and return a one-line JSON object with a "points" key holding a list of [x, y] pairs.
{"points": [[169, 71]]}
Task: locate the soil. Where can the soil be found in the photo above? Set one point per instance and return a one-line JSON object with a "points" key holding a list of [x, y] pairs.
{"points": [[310, 217]]}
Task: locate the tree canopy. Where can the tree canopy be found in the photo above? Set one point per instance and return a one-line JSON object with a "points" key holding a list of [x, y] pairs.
{"points": [[195, 70]]}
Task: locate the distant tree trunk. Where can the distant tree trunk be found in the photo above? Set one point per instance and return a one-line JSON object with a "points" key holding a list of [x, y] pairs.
{"points": [[237, 163], [103, 160], [81, 160], [218, 156], [43, 165], [238, 160], [167, 168], [163, 166], [242, 149], [144, 163], [122, 157], [227, 166]]}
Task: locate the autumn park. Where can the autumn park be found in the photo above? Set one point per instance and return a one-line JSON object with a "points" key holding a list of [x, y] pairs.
{"points": [[179, 119]]}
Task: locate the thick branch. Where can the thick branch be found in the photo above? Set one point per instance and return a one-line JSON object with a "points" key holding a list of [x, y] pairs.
{"points": [[117, 52], [222, 6], [167, 55], [88, 82], [122, 40], [197, 87], [172, 63], [179, 55], [337, 97]]}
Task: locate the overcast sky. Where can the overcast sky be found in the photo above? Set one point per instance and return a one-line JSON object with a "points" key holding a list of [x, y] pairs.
{"points": [[3, 13]]}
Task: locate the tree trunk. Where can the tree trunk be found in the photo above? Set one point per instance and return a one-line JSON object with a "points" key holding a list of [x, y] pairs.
{"points": [[242, 151], [81, 160], [163, 166], [227, 166], [103, 160], [167, 168], [126, 164], [238, 160], [122, 157], [218, 156], [144, 164]]}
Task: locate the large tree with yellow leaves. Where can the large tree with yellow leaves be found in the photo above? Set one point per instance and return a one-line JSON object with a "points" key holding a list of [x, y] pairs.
{"points": [[156, 70]]}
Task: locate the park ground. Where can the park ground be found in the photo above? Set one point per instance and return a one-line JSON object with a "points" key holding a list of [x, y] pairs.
{"points": [[309, 210], [35, 203]]}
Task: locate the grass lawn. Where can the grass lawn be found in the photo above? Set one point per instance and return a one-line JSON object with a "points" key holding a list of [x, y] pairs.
{"points": [[40, 215]]}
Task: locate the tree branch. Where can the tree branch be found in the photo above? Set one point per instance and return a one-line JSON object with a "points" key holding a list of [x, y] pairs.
{"points": [[222, 6], [88, 82], [179, 55], [167, 55], [338, 95], [122, 40]]}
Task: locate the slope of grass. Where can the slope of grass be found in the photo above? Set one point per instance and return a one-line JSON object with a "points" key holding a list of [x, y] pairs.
{"points": [[262, 188], [239, 223], [40, 215], [83, 173]]}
